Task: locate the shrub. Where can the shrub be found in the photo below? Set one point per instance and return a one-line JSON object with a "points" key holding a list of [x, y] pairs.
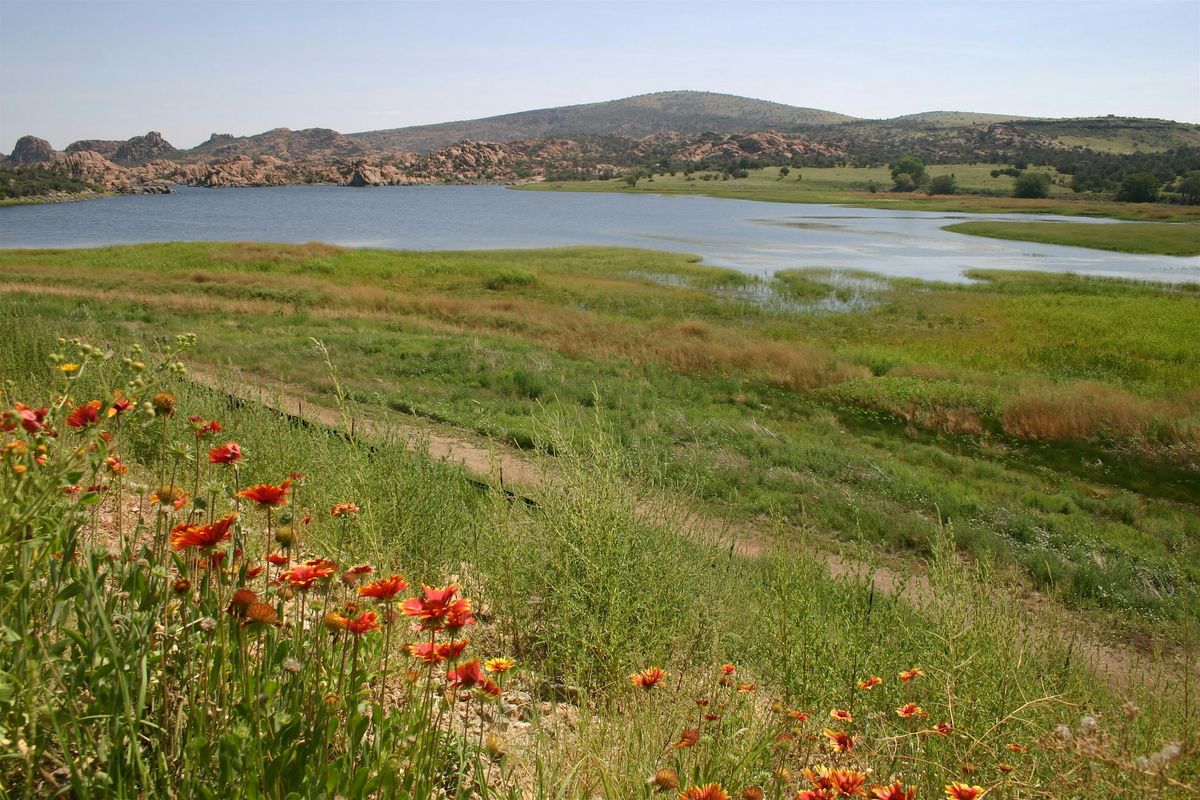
{"points": [[1032, 185]]}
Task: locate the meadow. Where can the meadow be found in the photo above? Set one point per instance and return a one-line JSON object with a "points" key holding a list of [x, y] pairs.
{"points": [[852, 186], [1145, 237], [1000, 445]]}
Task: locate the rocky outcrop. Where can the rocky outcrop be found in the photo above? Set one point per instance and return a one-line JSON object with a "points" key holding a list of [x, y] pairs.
{"points": [[143, 148], [30, 150], [105, 147]]}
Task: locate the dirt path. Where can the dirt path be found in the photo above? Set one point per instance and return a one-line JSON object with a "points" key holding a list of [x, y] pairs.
{"points": [[518, 472]]}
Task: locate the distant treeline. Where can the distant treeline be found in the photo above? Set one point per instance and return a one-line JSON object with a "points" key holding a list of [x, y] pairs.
{"points": [[18, 182]]}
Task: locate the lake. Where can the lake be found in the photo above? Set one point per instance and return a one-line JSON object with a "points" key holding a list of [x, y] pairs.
{"points": [[754, 237]]}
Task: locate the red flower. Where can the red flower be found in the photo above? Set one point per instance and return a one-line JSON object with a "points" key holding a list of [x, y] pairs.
{"points": [[267, 495], [255, 572], [728, 669], [305, 575], [433, 606], [870, 683], [459, 616], [839, 742], [428, 652], [202, 536], [364, 622], [84, 415], [815, 794], [908, 674], [910, 710], [943, 728], [896, 791], [277, 559], [32, 420], [204, 429], [120, 404], [228, 453], [841, 715], [383, 590], [961, 791], [711, 791], [469, 675], [688, 738], [344, 510], [846, 782], [648, 678]]}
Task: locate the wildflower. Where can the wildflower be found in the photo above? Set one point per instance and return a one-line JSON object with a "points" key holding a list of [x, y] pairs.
{"points": [[181, 586], [344, 510], [711, 791], [468, 675], [385, 589], [453, 649], [351, 576], [261, 614], [31, 420], [799, 716], [894, 791], [747, 688], [664, 780], [68, 368], [433, 606], [1005, 768], [752, 793], [169, 495], [841, 715], [120, 405], [204, 537], [208, 624], [870, 683], [228, 453], [254, 572], [84, 415], [304, 576], [115, 465], [241, 602], [363, 623], [648, 678], [908, 674], [204, 429], [711, 717], [277, 559], [267, 495], [1016, 748], [815, 794], [459, 616], [163, 404], [909, 710], [839, 742], [846, 782], [496, 665], [962, 791], [336, 622], [429, 652], [688, 738], [943, 728], [291, 665], [494, 746], [728, 669]]}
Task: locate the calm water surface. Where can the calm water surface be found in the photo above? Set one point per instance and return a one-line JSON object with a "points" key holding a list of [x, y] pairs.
{"points": [[755, 237]]}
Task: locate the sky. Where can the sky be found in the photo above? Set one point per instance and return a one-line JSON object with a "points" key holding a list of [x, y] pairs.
{"points": [[188, 68]]}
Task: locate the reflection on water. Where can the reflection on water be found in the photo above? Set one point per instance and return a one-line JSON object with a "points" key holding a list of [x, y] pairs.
{"points": [[756, 238]]}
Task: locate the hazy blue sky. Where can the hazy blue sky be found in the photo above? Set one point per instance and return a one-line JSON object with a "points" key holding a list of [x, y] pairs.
{"points": [[115, 69]]}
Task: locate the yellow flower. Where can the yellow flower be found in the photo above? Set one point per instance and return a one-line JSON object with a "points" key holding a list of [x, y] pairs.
{"points": [[499, 664], [68, 367]]}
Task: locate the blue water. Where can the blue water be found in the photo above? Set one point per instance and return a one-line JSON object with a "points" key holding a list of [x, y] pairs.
{"points": [[755, 237]]}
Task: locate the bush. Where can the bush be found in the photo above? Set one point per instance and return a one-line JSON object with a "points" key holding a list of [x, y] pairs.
{"points": [[1032, 184], [943, 184], [1139, 187]]}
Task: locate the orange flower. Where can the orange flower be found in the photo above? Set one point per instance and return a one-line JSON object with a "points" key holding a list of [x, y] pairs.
{"points": [[385, 589], [469, 675], [336, 622], [815, 794], [846, 782], [120, 405], [747, 688], [839, 742], [345, 510], [962, 791], [1016, 748], [459, 615], [241, 602], [169, 495], [204, 429], [428, 652], [267, 495], [1005, 768], [799, 716], [648, 678], [261, 614], [115, 465], [908, 674], [433, 606], [752, 793], [841, 715], [277, 559], [729, 669], [711, 791], [254, 572], [909, 710], [228, 453], [896, 791], [84, 415], [943, 728], [305, 575], [688, 738], [870, 683], [204, 537], [364, 622]]}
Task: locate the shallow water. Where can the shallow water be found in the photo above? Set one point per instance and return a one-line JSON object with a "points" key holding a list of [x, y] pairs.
{"points": [[755, 237]]}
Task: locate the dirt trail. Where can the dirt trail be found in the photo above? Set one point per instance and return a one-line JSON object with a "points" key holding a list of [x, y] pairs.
{"points": [[512, 470]]}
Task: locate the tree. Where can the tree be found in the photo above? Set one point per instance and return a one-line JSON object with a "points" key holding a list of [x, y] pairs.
{"points": [[1032, 184], [1139, 187], [911, 166], [903, 183], [633, 177], [1189, 187], [943, 184], [784, 172]]}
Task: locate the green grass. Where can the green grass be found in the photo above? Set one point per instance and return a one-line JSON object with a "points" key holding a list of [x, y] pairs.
{"points": [[1169, 239], [581, 589], [1057, 445], [850, 186]]}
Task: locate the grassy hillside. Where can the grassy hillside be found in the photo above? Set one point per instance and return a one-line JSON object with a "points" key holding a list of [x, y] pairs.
{"points": [[681, 112]]}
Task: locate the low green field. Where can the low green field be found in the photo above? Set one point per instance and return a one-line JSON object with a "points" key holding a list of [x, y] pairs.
{"points": [[1052, 442], [851, 186], [1171, 239]]}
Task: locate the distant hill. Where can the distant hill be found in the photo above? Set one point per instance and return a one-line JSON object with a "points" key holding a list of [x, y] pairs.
{"points": [[683, 112], [955, 119]]}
